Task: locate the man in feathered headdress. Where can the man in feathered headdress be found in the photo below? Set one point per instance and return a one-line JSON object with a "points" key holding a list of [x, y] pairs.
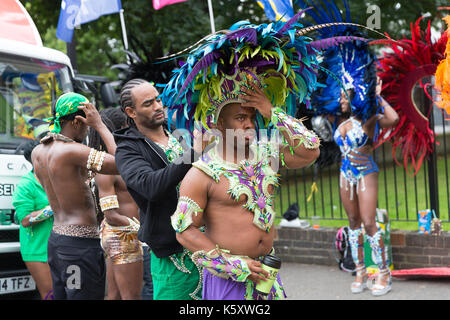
{"points": [[236, 84]]}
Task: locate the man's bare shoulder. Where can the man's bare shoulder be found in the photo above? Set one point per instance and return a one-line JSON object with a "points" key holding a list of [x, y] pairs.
{"points": [[40, 153], [36, 151], [74, 147], [69, 152], [197, 176], [195, 181]]}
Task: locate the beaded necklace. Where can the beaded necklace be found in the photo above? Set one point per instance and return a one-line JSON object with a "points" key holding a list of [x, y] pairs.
{"points": [[173, 150], [55, 136]]}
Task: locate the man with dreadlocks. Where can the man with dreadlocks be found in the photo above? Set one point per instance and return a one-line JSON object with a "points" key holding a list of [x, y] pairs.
{"points": [[64, 166], [147, 158], [124, 267]]}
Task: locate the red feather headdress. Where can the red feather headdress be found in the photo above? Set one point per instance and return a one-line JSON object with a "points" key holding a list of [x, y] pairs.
{"points": [[400, 70]]}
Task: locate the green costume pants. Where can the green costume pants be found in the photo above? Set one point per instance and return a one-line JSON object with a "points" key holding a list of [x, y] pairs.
{"points": [[169, 283]]}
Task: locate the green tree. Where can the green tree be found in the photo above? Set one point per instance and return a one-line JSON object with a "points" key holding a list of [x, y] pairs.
{"points": [[99, 44]]}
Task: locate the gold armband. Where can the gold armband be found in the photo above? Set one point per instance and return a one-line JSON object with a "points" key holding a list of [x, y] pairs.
{"points": [[91, 158], [95, 160], [108, 203]]}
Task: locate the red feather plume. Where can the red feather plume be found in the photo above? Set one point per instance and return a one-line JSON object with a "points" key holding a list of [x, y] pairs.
{"points": [[409, 61]]}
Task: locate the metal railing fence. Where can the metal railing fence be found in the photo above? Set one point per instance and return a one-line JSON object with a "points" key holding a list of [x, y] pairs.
{"points": [[402, 195]]}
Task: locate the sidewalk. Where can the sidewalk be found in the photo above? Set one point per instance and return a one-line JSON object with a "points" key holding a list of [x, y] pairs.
{"points": [[317, 282]]}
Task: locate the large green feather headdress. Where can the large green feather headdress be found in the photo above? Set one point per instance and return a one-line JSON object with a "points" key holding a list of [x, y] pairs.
{"points": [[276, 56]]}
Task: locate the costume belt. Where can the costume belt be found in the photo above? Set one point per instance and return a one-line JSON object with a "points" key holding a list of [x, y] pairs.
{"points": [[75, 230]]}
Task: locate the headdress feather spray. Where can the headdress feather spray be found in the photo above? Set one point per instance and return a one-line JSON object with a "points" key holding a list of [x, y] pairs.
{"points": [[400, 68], [351, 64], [275, 56]]}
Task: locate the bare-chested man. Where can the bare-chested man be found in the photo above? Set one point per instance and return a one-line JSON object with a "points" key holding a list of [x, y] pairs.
{"points": [[63, 165], [233, 198], [124, 256]]}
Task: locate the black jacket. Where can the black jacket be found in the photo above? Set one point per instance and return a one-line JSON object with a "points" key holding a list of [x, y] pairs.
{"points": [[151, 180]]}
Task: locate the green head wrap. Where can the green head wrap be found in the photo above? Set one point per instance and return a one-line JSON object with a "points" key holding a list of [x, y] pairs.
{"points": [[66, 104]]}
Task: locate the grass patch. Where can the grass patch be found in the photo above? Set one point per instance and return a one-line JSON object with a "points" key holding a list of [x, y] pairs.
{"points": [[400, 194]]}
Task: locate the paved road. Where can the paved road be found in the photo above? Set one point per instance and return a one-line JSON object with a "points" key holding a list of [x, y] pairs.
{"points": [[315, 282]]}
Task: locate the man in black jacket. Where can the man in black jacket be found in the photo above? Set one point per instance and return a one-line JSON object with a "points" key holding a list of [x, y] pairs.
{"points": [[146, 159]]}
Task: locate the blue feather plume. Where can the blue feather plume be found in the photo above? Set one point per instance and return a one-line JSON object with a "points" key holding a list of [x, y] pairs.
{"points": [[339, 56]]}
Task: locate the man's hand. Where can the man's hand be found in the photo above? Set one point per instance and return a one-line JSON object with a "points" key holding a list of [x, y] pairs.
{"points": [[256, 99], [258, 273], [93, 118]]}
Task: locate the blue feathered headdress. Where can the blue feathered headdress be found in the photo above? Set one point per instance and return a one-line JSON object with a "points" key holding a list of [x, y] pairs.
{"points": [[276, 56], [349, 65]]}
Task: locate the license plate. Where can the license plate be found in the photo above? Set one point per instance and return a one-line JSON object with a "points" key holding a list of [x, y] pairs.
{"points": [[17, 284]]}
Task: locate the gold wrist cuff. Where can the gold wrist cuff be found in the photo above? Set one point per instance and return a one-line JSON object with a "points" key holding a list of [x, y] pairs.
{"points": [[108, 203]]}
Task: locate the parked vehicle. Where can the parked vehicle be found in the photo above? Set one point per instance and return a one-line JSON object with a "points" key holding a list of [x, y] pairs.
{"points": [[31, 78]]}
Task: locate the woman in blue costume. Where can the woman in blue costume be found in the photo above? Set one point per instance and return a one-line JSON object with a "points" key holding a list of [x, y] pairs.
{"points": [[358, 183], [352, 88]]}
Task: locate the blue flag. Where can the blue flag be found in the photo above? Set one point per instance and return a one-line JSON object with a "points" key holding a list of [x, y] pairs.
{"points": [[76, 12], [277, 9]]}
